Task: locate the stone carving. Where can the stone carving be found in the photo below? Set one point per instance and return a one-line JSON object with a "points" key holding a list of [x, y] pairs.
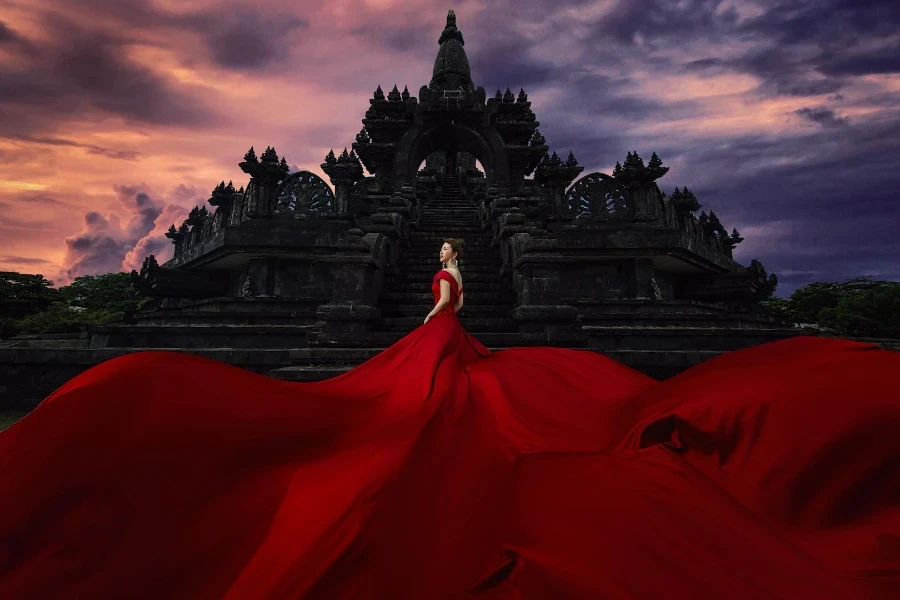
{"points": [[301, 193], [598, 196]]}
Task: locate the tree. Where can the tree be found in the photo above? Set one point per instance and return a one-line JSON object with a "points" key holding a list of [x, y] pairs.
{"points": [[805, 304], [23, 294], [30, 306], [872, 311], [110, 292]]}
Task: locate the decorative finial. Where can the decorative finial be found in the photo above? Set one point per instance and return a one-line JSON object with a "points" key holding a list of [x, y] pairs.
{"points": [[270, 156], [450, 31]]}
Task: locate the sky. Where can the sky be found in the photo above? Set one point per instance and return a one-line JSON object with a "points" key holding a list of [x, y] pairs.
{"points": [[783, 117]]}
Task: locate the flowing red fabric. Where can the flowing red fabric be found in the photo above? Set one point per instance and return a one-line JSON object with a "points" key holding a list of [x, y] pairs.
{"points": [[441, 470]]}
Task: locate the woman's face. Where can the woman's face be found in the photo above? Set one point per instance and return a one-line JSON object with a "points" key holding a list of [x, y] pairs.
{"points": [[447, 253]]}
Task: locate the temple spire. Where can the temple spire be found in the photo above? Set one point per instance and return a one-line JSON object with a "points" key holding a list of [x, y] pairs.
{"points": [[450, 30], [451, 66]]}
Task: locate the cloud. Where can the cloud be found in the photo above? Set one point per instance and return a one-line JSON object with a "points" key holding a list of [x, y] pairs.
{"points": [[23, 260], [74, 72], [120, 241], [90, 148], [822, 116], [230, 38]]}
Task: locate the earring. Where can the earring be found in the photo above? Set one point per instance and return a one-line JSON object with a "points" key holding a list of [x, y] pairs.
{"points": [[453, 263]]}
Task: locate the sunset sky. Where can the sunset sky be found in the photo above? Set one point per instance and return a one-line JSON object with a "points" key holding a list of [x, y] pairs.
{"points": [[118, 116]]}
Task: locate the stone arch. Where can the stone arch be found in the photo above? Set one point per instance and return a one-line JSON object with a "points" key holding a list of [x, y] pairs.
{"points": [[599, 196], [301, 193], [418, 142]]}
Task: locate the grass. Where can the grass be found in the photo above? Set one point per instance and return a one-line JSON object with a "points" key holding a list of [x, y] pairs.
{"points": [[8, 418]]}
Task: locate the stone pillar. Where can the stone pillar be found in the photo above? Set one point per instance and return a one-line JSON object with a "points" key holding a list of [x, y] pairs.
{"points": [[556, 175], [344, 172], [265, 176]]}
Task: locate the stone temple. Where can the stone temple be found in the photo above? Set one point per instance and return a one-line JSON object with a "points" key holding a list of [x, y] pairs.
{"points": [[301, 278]]}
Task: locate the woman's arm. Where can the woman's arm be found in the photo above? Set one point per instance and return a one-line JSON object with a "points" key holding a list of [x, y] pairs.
{"points": [[443, 301]]}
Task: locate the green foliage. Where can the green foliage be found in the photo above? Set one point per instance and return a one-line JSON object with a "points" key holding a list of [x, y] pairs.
{"points": [[62, 318], [805, 304], [23, 294], [858, 307], [110, 292], [778, 306], [868, 312], [30, 306]]}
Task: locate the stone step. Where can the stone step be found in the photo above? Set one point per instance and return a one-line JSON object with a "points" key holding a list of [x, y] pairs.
{"points": [[39, 342], [197, 336], [413, 297], [339, 356], [433, 240], [439, 226], [677, 338], [431, 255], [463, 218], [409, 261], [469, 308], [473, 322], [673, 319], [507, 339], [315, 364], [476, 245], [469, 279], [437, 237], [450, 206], [424, 285], [445, 229], [449, 214], [213, 318], [645, 305], [467, 270], [434, 248]]}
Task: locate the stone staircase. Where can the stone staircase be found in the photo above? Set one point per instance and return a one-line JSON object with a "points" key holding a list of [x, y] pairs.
{"points": [[407, 296], [658, 338]]}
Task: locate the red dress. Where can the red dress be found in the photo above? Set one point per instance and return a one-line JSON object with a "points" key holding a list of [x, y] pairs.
{"points": [[440, 470]]}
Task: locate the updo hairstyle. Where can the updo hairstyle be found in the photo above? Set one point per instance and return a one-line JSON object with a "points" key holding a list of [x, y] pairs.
{"points": [[456, 245]]}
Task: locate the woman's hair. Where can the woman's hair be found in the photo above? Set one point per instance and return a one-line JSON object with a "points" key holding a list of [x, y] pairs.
{"points": [[456, 245]]}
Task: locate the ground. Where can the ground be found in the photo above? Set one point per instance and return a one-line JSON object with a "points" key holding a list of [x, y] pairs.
{"points": [[8, 418]]}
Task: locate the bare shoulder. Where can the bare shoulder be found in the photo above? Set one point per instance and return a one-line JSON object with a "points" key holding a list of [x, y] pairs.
{"points": [[456, 275]]}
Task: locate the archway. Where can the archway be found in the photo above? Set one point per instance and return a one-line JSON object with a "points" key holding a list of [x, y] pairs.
{"points": [[418, 143]]}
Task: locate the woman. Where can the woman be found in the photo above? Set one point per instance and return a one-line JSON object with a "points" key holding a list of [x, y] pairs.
{"points": [[448, 296], [441, 470]]}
